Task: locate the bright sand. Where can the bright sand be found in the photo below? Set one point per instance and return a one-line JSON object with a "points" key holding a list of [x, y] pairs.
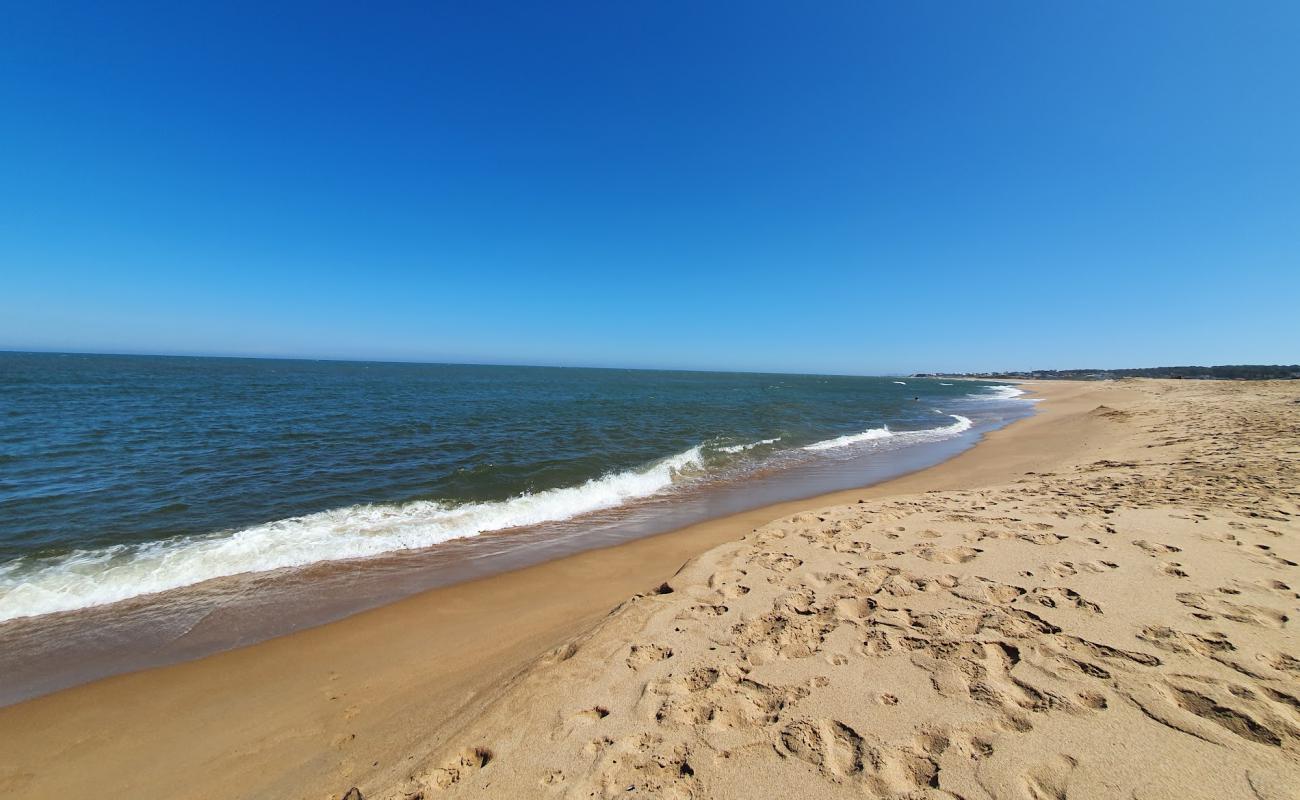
{"points": [[1094, 601]]}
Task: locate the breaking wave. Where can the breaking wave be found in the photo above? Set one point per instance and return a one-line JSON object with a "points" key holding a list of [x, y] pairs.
{"points": [[86, 578], [900, 437], [997, 393], [740, 448]]}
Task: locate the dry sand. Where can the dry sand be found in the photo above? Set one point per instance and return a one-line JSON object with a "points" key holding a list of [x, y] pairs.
{"points": [[1094, 602]]}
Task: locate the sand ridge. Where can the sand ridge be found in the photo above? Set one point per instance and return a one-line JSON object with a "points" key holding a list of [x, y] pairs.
{"points": [[1116, 624]]}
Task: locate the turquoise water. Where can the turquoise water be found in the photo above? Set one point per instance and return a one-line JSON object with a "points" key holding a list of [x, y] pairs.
{"points": [[124, 476]]}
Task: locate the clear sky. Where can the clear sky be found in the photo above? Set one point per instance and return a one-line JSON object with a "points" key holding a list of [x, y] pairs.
{"points": [[818, 187]]}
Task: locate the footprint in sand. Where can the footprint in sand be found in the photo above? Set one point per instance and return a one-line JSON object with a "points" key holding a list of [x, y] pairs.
{"points": [[1210, 645], [727, 583], [1042, 538], [1209, 607], [779, 562], [1051, 780], [640, 655], [645, 766], [842, 754], [954, 555], [471, 761], [1061, 597], [987, 592], [593, 714], [702, 611], [1064, 569], [552, 778], [1236, 709], [1156, 548]]}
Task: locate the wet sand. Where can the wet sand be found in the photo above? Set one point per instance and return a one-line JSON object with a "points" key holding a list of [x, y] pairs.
{"points": [[961, 631]]}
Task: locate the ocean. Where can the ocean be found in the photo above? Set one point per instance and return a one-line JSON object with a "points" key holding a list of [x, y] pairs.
{"points": [[175, 505]]}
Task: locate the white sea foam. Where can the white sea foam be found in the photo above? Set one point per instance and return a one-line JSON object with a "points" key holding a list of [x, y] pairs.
{"points": [[945, 384], [998, 393], [898, 437], [852, 438], [740, 448], [87, 578], [901, 383]]}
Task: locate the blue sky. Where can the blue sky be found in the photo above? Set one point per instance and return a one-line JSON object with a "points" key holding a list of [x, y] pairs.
{"points": [[834, 187]]}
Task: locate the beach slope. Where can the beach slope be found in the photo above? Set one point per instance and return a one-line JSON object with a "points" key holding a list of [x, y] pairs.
{"points": [[1113, 621], [1096, 601]]}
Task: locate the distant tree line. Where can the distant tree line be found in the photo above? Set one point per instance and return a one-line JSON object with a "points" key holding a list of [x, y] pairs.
{"points": [[1227, 372]]}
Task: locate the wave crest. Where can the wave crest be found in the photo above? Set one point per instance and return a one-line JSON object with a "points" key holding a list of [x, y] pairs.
{"points": [[997, 393], [86, 578], [901, 437], [740, 448]]}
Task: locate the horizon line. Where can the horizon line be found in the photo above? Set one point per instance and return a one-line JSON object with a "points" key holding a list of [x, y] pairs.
{"points": [[416, 362], [435, 363]]}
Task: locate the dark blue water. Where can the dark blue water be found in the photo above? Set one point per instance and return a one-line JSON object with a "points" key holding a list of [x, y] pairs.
{"points": [[125, 475]]}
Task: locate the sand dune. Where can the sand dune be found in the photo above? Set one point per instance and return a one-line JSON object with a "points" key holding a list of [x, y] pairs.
{"points": [[1115, 622]]}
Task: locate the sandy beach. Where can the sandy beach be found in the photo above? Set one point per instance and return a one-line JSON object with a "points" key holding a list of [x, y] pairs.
{"points": [[1096, 601]]}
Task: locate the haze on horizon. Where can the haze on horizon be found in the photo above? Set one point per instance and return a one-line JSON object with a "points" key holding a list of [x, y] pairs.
{"points": [[871, 188]]}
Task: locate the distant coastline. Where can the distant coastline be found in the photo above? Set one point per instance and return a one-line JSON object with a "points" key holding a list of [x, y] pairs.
{"points": [[1225, 372]]}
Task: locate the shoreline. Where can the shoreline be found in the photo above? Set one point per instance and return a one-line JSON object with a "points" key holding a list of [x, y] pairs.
{"points": [[60, 650], [398, 680], [205, 513]]}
